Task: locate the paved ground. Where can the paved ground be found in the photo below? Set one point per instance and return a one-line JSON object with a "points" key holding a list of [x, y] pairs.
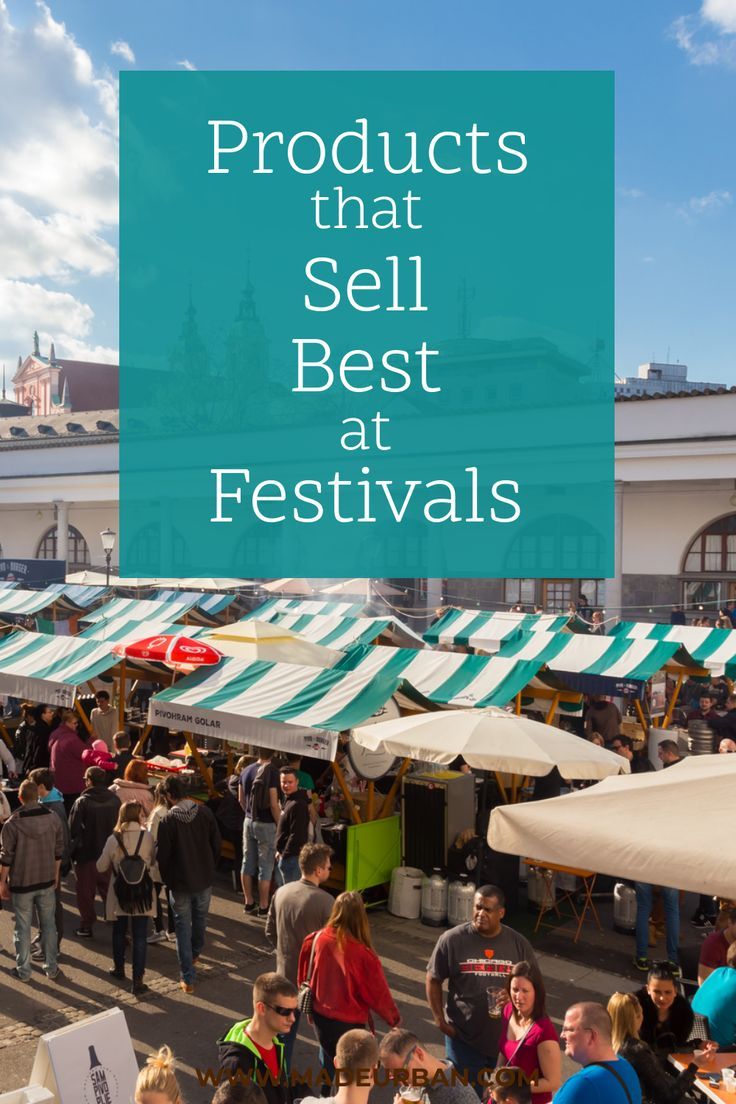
{"points": [[236, 953]]}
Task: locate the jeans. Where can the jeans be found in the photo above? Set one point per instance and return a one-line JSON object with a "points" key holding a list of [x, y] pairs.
{"points": [[288, 869], [190, 918], [158, 920], [671, 902], [89, 881], [289, 1039], [259, 848], [139, 925], [43, 901], [468, 1062], [329, 1033]]}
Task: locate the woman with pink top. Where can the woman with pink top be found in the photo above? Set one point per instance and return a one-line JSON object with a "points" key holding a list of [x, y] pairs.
{"points": [[528, 1038]]}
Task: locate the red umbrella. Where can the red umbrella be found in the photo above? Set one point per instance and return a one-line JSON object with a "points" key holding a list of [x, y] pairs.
{"points": [[174, 650]]}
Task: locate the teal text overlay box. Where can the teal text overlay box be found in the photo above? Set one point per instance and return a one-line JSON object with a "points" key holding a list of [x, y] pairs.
{"points": [[367, 324]]}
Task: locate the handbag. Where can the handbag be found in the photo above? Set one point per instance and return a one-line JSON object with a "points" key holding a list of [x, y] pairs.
{"points": [[304, 996]]}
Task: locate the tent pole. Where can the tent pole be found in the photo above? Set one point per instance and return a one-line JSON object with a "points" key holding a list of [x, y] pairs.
{"points": [[340, 779], [204, 770], [121, 695], [550, 715], [642, 718], [82, 715], [388, 801], [501, 788], [518, 704], [673, 702], [138, 749]]}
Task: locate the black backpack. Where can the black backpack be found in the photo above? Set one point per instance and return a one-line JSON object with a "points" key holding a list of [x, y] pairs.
{"points": [[260, 799], [133, 885]]}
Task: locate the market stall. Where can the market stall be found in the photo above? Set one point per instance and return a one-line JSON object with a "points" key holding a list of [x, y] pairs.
{"points": [[602, 828], [488, 631]]}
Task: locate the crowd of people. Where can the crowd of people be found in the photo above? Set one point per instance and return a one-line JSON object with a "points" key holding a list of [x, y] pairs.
{"points": [[500, 1043]]}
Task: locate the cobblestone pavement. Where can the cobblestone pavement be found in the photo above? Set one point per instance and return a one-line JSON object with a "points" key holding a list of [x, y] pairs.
{"points": [[236, 953]]}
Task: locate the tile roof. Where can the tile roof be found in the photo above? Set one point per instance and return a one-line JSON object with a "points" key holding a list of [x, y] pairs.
{"points": [[79, 428]]}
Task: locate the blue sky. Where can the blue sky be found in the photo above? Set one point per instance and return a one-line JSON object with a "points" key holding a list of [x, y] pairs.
{"points": [[675, 65]]}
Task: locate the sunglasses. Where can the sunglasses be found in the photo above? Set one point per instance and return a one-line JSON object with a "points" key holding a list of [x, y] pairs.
{"points": [[280, 1010]]}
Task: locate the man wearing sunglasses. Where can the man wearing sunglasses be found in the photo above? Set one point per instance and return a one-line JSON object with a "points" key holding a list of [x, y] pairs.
{"points": [[253, 1046]]}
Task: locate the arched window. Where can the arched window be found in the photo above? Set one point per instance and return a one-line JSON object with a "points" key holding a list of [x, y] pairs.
{"points": [[78, 550], [146, 551], [709, 566]]}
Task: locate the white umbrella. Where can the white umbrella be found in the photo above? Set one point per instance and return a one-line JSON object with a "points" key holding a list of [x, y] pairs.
{"points": [[363, 588], [670, 827], [255, 639], [89, 578], [288, 586], [491, 739], [209, 584]]}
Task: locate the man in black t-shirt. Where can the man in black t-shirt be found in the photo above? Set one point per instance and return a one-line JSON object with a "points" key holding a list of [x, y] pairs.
{"points": [[258, 794]]}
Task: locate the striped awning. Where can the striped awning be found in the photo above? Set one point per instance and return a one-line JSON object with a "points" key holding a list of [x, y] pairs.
{"points": [[121, 630], [49, 668], [714, 649], [345, 632], [8, 584], [145, 609], [488, 631], [306, 606], [595, 664], [446, 678], [73, 596], [24, 603], [292, 708], [209, 604]]}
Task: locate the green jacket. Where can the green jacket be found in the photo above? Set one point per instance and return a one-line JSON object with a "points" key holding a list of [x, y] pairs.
{"points": [[238, 1052]]}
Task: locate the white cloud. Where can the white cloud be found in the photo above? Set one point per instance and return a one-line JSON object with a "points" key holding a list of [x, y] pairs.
{"points": [[648, 260], [694, 34], [58, 246], [122, 50], [722, 13], [58, 182], [631, 193], [186, 64], [707, 204]]}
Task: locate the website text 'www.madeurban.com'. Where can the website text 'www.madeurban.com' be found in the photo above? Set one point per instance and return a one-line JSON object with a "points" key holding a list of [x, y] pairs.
{"points": [[416, 1079]]}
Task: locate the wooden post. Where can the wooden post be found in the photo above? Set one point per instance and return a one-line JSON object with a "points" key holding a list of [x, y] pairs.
{"points": [[82, 715], [671, 707], [642, 718], [371, 790], [138, 749], [501, 787], [204, 770], [551, 714], [121, 695], [388, 801], [340, 779], [518, 704]]}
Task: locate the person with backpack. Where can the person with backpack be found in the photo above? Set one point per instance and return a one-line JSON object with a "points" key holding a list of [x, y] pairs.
{"points": [[129, 853], [259, 798]]}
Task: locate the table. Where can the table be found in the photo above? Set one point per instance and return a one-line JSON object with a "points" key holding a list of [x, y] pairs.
{"points": [[717, 1063], [550, 901]]}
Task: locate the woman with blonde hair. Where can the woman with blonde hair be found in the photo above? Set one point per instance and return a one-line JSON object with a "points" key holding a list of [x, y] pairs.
{"points": [[345, 975], [657, 1086], [129, 852], [157, 1082]]}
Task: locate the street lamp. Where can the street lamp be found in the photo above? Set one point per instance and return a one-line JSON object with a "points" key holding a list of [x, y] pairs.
{"points": [[107, 536]]}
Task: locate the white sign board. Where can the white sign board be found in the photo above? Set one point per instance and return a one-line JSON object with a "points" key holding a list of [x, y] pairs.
{"points": [[90, 1062]]}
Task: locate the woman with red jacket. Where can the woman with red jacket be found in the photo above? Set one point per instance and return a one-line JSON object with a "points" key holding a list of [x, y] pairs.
{"points": [[347, 979]]}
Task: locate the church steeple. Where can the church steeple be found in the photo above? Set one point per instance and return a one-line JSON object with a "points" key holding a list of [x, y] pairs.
{"points": [[52, 354], [36, 346]]}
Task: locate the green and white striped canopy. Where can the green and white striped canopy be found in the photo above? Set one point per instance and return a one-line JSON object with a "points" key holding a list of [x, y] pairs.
{"points": [[134, 609], [281, 705], [306, 605], [208, 604], [446, 678], [344, 632], [714, 649], [120, 630], [24, 603], [49, 668], [75, 597], [595, 664], [485, 630]]}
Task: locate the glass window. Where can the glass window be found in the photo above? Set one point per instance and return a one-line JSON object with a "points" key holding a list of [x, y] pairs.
{"points": [[519, 590], [702, 593], [78, 550], [714, 549]]}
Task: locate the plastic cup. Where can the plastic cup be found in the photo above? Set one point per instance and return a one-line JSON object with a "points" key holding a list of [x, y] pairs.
{"points": [[729, 1080], [496, 1000]]}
